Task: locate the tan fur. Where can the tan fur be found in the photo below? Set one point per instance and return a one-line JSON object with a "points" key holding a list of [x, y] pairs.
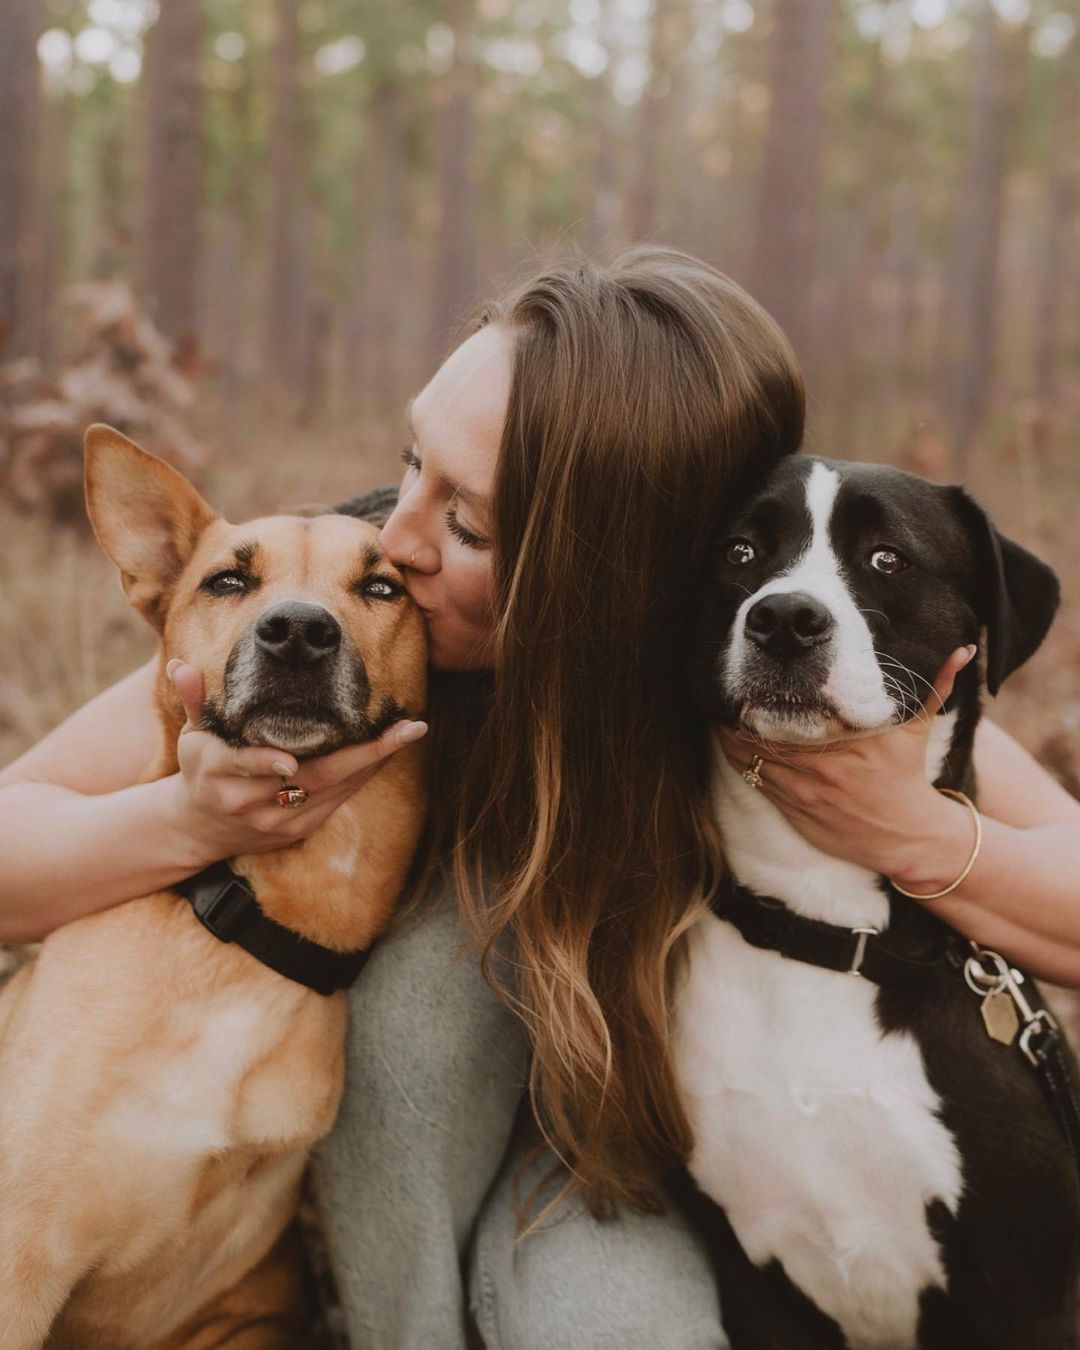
{"points": [[162, 1089]]}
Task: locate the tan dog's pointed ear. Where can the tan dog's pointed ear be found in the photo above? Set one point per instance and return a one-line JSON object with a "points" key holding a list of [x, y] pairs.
{"points": [[146, 515]]}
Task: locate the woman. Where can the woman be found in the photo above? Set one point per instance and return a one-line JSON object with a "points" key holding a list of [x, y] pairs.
{"points": [[569, 462]]}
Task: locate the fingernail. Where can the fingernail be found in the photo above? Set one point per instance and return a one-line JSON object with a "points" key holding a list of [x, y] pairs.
{"points": [[412, 731], [279, 766], [170, 666], [971, 649]]}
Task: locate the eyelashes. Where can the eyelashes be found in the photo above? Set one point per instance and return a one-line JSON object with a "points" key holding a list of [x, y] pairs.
{"points": [[460, 532]]}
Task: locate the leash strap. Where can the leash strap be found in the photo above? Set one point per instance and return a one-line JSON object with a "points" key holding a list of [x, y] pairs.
{"points": [[1043, 1044], [225, 905], [852, 951]]}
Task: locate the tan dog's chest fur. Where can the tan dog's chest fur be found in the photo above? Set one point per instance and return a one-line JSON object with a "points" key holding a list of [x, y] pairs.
{"points": [[162, 1089]]}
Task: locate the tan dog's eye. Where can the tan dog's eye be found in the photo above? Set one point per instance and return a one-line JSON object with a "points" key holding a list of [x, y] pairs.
{"points": [[380, 588], [226, 583]]}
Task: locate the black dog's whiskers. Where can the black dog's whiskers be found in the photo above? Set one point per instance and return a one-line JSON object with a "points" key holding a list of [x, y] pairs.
{"points": [[920, 712]]}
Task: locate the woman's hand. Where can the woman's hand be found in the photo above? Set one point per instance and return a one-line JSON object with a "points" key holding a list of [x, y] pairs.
{"points": [[869, 800], [227, 796]]}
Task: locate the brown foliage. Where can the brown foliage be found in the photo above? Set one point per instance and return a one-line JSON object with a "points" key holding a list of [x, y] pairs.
{"points": [[124, 373]]}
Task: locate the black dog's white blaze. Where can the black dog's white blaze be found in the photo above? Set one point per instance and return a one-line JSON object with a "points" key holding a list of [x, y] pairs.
{"points": [[855, 687], [819, 1135]]}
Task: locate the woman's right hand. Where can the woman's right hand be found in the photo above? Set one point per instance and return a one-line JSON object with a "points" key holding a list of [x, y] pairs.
{"points": [[227, 799]]}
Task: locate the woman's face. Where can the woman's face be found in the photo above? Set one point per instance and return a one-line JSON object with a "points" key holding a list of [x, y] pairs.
{"points": [[440, 531]]}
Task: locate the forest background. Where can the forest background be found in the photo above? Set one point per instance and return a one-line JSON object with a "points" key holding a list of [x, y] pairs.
{"points": [[308, 197]]}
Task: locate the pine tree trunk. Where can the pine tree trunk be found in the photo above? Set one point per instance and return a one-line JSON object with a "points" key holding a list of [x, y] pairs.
{"points": [[785, 253], [174, 162], [284, 335], [662, 128], [1060, 213], [970, 310], [387, 258], [20, 26], [455, 280]]}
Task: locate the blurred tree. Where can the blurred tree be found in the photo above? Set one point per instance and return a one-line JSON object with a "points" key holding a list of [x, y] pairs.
{"points": [[20, 24], [283, 345], [784, 266], [1063, 170], [658, 194], [454, 284], [172, 179], [970, 310]]}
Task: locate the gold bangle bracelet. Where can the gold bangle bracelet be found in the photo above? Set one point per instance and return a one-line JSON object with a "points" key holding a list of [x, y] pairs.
{"points": [[936, 895]]}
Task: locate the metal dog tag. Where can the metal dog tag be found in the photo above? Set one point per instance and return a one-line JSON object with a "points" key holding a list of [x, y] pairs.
{"points": [[1000, 1017]]}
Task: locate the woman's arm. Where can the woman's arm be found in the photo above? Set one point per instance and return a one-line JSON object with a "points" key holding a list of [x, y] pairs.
{"points": [[81, 833], [869, 801], [1023, 894]]}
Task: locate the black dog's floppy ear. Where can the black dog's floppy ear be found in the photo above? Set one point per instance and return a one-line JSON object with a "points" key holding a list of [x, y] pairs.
{"points": [[1019, 596]]}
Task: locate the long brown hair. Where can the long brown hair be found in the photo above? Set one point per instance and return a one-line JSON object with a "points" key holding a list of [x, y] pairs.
{"points": [[645, 396]]}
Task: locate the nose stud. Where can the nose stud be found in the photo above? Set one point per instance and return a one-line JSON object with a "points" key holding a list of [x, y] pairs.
{"points": [[412, 558]]}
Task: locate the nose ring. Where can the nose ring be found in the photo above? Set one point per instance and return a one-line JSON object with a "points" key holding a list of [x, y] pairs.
{"points": [[412, 558]]}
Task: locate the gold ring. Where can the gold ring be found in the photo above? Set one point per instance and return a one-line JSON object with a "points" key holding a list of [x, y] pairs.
{"points": [[291, 795], [412, 558], [752, 775]]}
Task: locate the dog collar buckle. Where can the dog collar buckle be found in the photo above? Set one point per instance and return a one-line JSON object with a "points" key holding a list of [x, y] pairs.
{"points": [[860, 949], [223, 911]]}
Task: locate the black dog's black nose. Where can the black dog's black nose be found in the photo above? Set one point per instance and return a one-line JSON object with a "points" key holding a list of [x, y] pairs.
{"points": [[297, 633], [787, 626]]}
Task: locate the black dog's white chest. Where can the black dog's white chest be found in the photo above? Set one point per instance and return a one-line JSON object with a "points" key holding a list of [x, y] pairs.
{"points": [[818, 1134]]}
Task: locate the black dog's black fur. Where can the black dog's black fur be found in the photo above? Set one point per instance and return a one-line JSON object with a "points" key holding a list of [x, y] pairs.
{"points": [[1012, 1252]]}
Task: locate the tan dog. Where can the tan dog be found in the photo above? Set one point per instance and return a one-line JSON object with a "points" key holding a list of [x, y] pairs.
{"points": [[160, 1089]]}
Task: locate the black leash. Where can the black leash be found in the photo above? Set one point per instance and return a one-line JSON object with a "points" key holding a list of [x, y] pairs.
{"points": [[1013, 1012], [225, 905]]}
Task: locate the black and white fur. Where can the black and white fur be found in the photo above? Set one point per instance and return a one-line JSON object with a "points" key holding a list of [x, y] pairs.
{"points": [[888, 1175]]}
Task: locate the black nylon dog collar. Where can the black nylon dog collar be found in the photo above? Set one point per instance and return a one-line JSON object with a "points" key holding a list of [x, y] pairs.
{"points": [[225, 904], [854, 951]]}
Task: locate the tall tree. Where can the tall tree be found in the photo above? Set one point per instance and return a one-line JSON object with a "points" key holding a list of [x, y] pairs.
{"points": [[1062, 173], [455, 280], [20, 24], [662, 124], [970, 312], [172, 182], [285, 302], [387, 265], [787, 211], [604, 220]]}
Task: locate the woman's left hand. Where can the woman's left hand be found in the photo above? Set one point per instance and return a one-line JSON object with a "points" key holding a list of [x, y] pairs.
{"points": [[863, 800]]}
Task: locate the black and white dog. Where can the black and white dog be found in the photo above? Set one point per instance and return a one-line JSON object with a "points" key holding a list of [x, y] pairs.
{"points": [[884, 1173]]}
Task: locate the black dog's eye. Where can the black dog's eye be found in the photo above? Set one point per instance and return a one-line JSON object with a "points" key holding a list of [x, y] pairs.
{"points": [[379, 588], [227, 583], [887, 560], [739, 552]]}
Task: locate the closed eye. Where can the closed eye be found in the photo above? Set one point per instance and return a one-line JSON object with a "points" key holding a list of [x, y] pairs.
{"points": [[409, 458]]}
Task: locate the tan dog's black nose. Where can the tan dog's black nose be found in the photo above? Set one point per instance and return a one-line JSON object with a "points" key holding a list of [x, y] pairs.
{"points": [[297, 633]]}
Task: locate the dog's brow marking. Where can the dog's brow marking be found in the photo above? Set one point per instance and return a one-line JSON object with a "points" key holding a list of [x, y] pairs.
{"points": [[372, 557], [247, 554]]}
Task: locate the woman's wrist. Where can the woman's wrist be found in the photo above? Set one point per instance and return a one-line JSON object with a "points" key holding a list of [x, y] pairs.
{"points": [[937, 853], [194, 845]]}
